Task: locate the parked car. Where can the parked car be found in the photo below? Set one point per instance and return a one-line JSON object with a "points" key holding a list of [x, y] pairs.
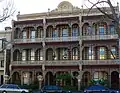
{"points": [[12, 88], [52, 89], [99, 89]]}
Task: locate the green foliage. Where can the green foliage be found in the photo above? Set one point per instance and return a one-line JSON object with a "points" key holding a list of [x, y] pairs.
{"points": [[100, 81], [64, 76]]}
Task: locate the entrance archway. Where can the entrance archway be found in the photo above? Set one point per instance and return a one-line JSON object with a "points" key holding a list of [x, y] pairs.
{"points": [[16, 78], [86, 78], [115, 80], [49, 78]]}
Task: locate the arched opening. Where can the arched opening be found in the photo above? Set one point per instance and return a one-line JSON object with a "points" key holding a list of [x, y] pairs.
{"points": [[62, 53], [39, 54], [102, 28], [86, 79], [27, 77], [75, 30], [115, 80], [16, 79], [75, 53], [39, 32], [49, 54], [17, 33], [74, 79], [28, 33], [100, 77], [114, 52], [49, 78], [63, 30], [86, 29], [102, 52], [16, 55], [63, 78], [112, 28], [49, 31]]}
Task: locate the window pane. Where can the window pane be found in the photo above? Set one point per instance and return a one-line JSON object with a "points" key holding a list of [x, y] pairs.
{"points": [[113, 55], [32, 54], [24, 35], [112, 29], [75, 32], [101, 30], [32, 34], [65, 33], [23, 55]]}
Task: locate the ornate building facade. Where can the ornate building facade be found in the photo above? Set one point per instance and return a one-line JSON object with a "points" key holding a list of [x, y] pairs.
{"points": [[65, 40]]}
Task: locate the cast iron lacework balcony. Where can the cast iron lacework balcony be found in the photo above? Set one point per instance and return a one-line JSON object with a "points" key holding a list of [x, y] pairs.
{"points": [[61, 39], [35, 40], [99, 37], [66, 62]]}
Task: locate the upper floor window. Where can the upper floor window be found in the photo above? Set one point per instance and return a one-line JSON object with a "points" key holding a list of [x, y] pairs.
{"points": [[64, 32], [102, 53], [91, 55], [23, 55], [75, 31], [113, 53], [64, 53], [101, 30], [39, 32], [39, 55], [28, 54], [75, 54], [24, 34], [112, 29], [32, 35], [55, 34]]}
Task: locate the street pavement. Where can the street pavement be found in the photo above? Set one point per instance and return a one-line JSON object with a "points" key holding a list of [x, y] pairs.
{"points": [[72, 92]]}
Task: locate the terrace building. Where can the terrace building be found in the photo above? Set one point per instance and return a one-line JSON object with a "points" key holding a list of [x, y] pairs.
{"points": [[65, 40], [5, 35]]}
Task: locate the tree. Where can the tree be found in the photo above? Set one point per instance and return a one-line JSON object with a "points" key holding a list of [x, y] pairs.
{"points": [[7, 9], [114, 17]]}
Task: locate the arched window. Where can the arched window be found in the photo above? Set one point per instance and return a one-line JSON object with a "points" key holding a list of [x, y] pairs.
{"points": [[91, 55], [113, 53], [75, 30], [39, 55], [39, 32], [102, 53], [102, 28], [112, 28], [75, 54]]}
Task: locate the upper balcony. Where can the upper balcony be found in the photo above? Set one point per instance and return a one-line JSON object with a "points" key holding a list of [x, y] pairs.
{"points": [[67, 39], [65, 62], [62, 39], [99, 37], [36, 40]]}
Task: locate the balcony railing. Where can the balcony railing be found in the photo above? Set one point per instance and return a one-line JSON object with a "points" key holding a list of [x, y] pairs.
{"points": [[61, 39], [28, 40], [99, 37], [66, 62]]}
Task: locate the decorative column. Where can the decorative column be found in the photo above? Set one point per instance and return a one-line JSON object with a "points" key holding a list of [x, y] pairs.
{"points": [[109, 78], [21, 73], [79, 77], [43, 71], [40, 79], [80, 40]]}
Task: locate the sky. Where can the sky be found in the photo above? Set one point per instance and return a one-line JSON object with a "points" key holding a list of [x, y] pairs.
{"points": [[38, 6]]}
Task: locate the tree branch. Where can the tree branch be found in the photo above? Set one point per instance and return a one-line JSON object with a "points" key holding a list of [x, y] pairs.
{"points": [[7, 11]]}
